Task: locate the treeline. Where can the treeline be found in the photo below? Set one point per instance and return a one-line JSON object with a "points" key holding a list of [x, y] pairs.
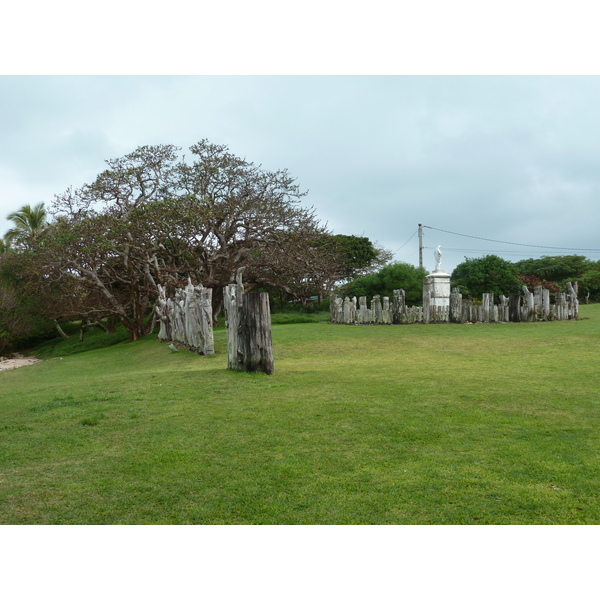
{"points": [[152, 220], [494, 275]]}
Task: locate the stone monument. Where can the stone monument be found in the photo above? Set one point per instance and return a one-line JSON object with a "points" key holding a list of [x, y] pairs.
{"points": [[436, 286]]}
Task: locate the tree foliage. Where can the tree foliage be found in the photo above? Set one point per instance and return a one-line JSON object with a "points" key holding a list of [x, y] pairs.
{"points": [[489, 274], [23, 312], [29, 224], [555, 269], [152, 219], [391, 277]]}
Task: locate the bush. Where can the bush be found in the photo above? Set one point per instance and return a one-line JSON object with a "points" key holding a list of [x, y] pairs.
{"points": [[392, 277], [488, 275]]}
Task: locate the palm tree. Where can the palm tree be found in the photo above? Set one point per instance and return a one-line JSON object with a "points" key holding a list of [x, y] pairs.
{"points": [[30, 224]]}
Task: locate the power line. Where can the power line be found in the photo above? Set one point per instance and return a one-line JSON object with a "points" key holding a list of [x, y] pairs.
{"points": [[513, 243], [406, 242], [480, 250]]}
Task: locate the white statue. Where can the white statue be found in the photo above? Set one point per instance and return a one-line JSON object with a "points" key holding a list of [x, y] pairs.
{"points": [[438, 258]]}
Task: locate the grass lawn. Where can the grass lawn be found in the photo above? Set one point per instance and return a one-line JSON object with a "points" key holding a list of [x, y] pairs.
{"points": [[413, 424]]}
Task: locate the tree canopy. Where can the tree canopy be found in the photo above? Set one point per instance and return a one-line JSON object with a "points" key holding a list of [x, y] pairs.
{"points": [[153, 219], [489, 274], [391, 277]]}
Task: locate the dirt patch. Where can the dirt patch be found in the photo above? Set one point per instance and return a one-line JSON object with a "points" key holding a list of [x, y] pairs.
{"points": [[17, 361]]}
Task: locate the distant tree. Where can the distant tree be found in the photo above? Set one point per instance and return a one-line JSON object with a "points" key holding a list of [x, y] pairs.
{"points": [[589, 283], [29, 225], [490, 274], [358, 255], [391, 277], [4, 246], [555, 269]]}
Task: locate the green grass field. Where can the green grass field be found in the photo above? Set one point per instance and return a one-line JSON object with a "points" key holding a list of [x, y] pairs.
{"points": [[413, 424]]}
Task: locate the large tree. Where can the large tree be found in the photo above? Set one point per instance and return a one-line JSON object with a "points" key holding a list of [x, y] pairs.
{"points": [[103, 237], [151, 219]]}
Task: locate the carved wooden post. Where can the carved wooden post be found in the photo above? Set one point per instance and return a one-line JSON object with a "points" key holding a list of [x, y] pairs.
{"points": [[363, 311], [456, 306], [398, 306], [529, 304], [486, 307], [255, 334], [514, 308], [232, 297], [332, 305], [347, 311], [546, 303], [249, 344], [376, 308], [386, 315], [573, 299]]}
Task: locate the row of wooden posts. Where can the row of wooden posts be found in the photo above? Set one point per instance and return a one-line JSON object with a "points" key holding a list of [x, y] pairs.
{"points": [[530, 306], [187, 320]]}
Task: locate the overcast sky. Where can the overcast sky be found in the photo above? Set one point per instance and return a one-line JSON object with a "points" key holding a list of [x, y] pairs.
{"points": [[513, 159]]}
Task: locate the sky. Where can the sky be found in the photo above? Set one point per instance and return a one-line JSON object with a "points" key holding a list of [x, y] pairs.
{"points": [[505, 165], [468, 117]]}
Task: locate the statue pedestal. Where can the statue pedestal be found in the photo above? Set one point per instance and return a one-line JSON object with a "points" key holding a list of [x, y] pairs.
{"points": [[437, 286]]}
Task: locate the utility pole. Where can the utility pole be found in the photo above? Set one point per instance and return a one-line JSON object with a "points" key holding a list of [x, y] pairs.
{"points": [[420, 245]]}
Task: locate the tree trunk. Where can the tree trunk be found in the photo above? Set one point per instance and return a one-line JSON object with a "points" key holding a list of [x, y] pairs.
{"points": [[110, 324], [62, 334]]}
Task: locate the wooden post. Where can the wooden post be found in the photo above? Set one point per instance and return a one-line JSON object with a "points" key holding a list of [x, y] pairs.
{"points": [[232, 301], [514, 308], [363, 311], [376, 308], [332, 305], [456, 306], [255, 333], [386, 313], [573, 299], [398, 306], [249, 344], [529, 304]]}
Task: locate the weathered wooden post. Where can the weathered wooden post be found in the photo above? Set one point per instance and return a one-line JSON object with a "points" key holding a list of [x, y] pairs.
{"points": [[456, 306], [560, 306], [249, 343], [546, 303], [332, 305], [514, 308], [426, 302], [255, 334], [363, 311], [503, 309], [573, 299], [385, 311], [487, 307], [398, 306], [529, 304], [376, 308]]}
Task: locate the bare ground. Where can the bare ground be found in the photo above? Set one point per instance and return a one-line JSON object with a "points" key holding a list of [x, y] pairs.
{"points": [[17, 361]]}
